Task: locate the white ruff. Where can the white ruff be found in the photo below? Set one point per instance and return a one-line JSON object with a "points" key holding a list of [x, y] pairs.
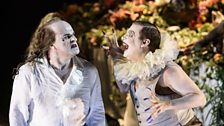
{"points": [[147, 69]]}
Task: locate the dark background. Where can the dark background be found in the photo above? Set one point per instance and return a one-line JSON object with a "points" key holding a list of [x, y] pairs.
{"points": [[19, 19]]}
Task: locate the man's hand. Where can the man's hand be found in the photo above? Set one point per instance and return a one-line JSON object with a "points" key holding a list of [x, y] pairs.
{"points": [[113, 49], [157, 106]]}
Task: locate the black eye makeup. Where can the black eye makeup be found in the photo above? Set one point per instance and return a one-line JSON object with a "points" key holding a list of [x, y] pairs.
{"points": [[131, 33], [67, 36]]}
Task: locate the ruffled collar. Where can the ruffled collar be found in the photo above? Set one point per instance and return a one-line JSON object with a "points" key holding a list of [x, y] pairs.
{"points": [[147, 69]]}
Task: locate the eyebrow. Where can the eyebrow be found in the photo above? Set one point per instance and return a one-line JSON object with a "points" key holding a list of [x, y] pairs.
{"points": [[67, 34], [131, 31]]}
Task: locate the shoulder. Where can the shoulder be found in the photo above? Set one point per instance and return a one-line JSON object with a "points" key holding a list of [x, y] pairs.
{"points": [[87, 65], [172, 69], [24, 71], [172, 73], [26, 68]]}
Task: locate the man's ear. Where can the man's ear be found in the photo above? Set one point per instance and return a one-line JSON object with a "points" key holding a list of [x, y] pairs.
{"points": [[145, 43], [53, 46]]}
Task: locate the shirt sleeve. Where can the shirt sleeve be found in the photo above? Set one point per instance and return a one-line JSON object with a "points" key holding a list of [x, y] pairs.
{"points": [[124, 88], [20, 99], [97, 113]]}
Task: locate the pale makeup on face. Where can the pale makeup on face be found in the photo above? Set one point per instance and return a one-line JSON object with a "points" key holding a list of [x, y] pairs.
{"points": [[66, 42], [132, 43]]}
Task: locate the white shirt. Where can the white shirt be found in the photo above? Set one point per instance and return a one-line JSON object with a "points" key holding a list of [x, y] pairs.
{"points": [[40, 98], [142, 103]]}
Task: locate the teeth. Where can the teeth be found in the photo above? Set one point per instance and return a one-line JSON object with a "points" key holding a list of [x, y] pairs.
{"points": [[125, 46]]}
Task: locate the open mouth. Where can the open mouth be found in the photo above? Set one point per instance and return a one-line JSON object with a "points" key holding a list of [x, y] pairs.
{"points": [[125, 46], [73, 46]]}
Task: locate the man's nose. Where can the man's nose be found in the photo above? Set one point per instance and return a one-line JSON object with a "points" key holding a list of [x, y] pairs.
{"points": [[123, 37], [73, 39]]}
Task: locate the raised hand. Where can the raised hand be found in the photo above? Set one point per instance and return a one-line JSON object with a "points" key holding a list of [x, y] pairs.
{"points": [[113, 50]]}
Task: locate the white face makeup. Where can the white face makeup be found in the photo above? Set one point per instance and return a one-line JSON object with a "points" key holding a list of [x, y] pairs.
{"points": [[66, 42], [131, 42]]}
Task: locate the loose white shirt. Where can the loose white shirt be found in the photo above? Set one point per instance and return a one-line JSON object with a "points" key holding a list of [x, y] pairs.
{"points": [[40, 98]]}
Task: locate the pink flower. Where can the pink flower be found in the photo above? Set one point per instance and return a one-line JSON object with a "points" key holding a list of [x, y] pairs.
{"points": [[120, 14], [93, 40], [138, 1], [134, 16], [137, 9]]}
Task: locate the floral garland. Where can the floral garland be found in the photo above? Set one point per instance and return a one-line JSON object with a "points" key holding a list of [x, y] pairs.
{"points": [[153, 63]]}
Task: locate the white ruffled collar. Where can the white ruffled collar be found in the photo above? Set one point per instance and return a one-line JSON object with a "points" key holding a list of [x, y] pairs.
{"points": [[150, 67]]}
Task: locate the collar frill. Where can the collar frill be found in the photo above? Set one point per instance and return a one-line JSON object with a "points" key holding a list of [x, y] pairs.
{"points": [[125, 71]]}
